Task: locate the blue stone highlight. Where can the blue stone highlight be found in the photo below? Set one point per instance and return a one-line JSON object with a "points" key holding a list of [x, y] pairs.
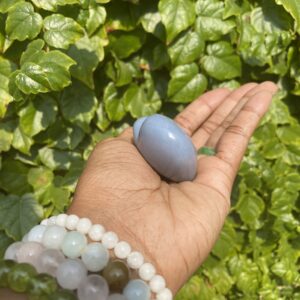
{"points": [[166, 147], [137, 290]]}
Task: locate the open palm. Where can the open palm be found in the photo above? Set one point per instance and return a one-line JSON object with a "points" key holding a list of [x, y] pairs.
{"points": [[174, 225]]}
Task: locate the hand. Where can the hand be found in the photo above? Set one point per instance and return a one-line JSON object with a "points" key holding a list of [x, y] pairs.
{"points": [[174, 225]]}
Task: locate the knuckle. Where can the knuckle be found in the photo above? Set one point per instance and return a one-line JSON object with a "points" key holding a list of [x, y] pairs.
{"points": [[185, 122], [210, 126], [237, 130]]}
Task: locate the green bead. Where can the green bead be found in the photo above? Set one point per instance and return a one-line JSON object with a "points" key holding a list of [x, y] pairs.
{"points": [[116, 274], [42, 284], [62, 295], [20, 276], [5, 267], [207, 151]]}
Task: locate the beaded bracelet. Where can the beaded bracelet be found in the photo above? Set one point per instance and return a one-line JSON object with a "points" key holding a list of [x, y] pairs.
{"points": [[52, 232]]}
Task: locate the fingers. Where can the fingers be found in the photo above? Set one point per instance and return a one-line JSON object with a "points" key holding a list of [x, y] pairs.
{"points": [[214, 127], [215, 137], [127, 135], [198, 111], [233, 143], [219, 114]]}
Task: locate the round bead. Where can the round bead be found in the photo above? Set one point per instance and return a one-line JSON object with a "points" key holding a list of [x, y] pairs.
{"points": [[96, 232], [51, 221], [44, 222], [117, 275], [49, 260], [147, 271], [165, 294], [36, 234], [12, 250], [20, 276], [84, 225], [94, 287], [135, 260], [71, 273], [73, 244], [5, 268], [95, 257], [157, 284], [25, 238], [71, 222], [29, 253], [61, 220], [137, 290], [110, 239], [116, 297], [122, 250], [42, 284], [53, 236]]}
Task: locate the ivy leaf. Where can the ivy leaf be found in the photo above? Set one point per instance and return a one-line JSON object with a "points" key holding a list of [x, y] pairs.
{"points": [[22, 22], [6, 137], [5, 5], [209, 23], [61, 32], [5, 241], [138, 104], [87, 59], [114, 105], [186, 84], [47, 72], [19, 214], [13, 177], [186, 49], [38, 115], [177, 15], [289, 135], [57, 159], [123, 44], [78, 104], [33, 52], [21, 141], [293, 7], [250, 207], [221, 63], [51, 5], [97, 16]]}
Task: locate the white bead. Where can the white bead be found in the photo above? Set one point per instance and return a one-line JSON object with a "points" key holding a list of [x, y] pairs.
{"points": [[135, 260], [147, 271], [44, 222], [29, 253], [95, 257], [61, 220], [36, 233], [51, 221], [53, 236], [84, 225], [96, 232], [25, 238], [71, 273], [157, 284], [165, 294], [71, 222], [122, 250], [11, 251], [110, 240]]}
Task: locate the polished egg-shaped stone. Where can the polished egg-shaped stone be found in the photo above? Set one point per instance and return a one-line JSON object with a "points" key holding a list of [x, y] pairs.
{"points": [[166, 147]]}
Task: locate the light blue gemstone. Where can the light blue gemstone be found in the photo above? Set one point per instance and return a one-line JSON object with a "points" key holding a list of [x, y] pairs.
{"points": [[137, 290], [53, 236], [73, 244], [166, 147], [95, 257]]}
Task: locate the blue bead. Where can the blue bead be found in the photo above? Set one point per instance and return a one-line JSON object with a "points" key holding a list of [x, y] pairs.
{"points": [[137, 290], [166, 147]]}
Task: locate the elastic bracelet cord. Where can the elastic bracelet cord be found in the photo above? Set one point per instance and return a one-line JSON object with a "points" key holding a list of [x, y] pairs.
{"points": [[59, 246]]}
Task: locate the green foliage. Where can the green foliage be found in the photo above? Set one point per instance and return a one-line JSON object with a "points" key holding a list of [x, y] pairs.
{"points": [[72, 71]]}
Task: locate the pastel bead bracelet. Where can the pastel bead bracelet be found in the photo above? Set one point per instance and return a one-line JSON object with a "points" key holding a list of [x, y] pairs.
{"points": [[69, 234]]}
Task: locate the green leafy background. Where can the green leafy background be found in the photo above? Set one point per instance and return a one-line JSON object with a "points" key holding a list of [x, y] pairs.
{"points": [[73, 72]]}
